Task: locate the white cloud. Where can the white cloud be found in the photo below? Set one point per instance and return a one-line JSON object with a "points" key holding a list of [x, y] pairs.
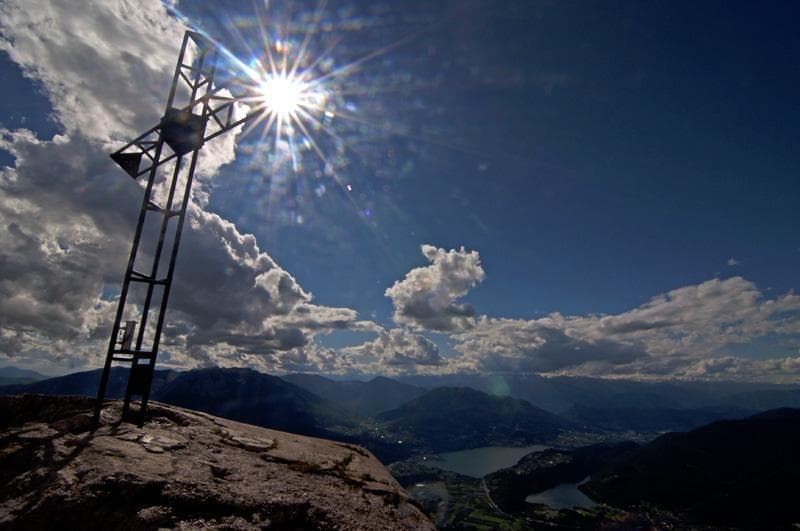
{"points": [[55, 251], [426, 297], [733, 262]]}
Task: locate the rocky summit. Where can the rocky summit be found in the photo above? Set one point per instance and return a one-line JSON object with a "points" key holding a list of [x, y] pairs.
{"points": [[183, 470]]}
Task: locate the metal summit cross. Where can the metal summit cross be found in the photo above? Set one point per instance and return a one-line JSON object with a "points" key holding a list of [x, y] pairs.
{"points": [[197, 111]]}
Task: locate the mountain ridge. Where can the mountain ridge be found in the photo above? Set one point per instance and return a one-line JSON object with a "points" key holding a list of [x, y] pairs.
{"points": [[456, 418]]}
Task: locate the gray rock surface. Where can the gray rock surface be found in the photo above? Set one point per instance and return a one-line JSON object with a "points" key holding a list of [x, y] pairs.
{"points": [[183, 470]]}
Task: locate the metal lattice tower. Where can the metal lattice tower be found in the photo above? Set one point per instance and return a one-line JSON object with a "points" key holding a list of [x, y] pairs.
{"points": [[197, 110]]}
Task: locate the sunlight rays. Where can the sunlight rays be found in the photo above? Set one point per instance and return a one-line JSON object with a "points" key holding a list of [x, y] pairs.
{"points": [[315, 112]]}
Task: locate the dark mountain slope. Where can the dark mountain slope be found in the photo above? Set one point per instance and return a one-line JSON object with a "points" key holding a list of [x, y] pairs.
{"points": [[742, 473], [238, 394], [255, 398], [538, 471], [455, 418]]}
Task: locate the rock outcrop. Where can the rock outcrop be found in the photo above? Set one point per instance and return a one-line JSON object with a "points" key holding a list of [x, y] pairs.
{"points": [[183, 470]]}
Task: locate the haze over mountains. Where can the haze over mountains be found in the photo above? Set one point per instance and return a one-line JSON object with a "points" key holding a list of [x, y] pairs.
{"points": [[365, 398], [13, 375], [559, 394]]}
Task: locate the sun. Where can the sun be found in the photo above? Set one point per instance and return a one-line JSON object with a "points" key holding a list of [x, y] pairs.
{"points": [[291, 101], [284, 96], [291, 97]]}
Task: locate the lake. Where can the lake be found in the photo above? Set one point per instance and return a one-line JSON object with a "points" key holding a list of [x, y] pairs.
{"points": [[478, 462], [564, 496]]}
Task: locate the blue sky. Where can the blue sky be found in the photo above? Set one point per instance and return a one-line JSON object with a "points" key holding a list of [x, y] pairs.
{"points": [[597, 156], [667, 146]]}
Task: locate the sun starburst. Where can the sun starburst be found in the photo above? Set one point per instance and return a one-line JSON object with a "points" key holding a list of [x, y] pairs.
{"points": [[283, 95], [312, 111], [292, 98]]}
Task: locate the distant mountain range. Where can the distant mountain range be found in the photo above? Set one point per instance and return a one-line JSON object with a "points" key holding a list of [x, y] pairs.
{"points": [[363, 398], [741, 473], [86, 383], [436, 420], [482, 411], [238, 394]]}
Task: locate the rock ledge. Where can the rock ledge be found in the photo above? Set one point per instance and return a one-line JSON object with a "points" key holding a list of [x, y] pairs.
{"points": [[183, 470]]}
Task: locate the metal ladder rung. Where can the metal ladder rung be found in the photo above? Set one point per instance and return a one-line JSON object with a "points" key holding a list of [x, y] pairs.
{"points": [[152, 207], [138, 277], [128, 359], [142, 354]]}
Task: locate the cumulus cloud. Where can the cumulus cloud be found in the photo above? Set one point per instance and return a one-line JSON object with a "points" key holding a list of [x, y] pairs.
{"points": [[281, 343], [425, 298], [56, 252], [688, 332], [394, 351]]}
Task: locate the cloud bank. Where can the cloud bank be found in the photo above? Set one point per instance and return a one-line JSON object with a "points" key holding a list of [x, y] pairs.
{"points": [[689, 332]]}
